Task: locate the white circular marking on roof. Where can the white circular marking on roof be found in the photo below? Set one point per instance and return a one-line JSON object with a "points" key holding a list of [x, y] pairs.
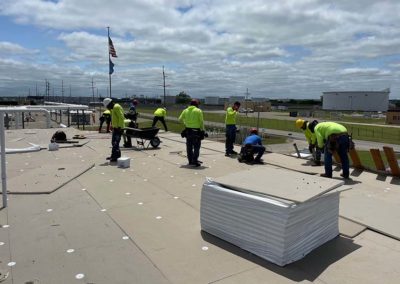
{"points": [[83, 189], [193, 185], [145, 179], [57, 158], [102, 173], [210, 167], [127, 193], [1, 244], [214, 161], [149, 156], [196, 173], [172, 176], [80, 276], [21, 170], [26, 164], [49, 210], [80, 157], [132, 170], [82, 160], [123, 171], [140, 203], [70, 250], [176, 197], [125, 238], [158, 217], [12, 263], [111, 180], [369, 195], [159, 169], [388, 188], [5, 226], [178, 164], [143, 163], [103, 210], [204, 248]]}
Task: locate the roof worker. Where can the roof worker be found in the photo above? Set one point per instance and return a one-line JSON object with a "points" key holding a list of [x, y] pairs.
{"points": [[117, 120], [105, 117], [252, 145], [192, 118], [311, 139], [230, 130], [159, 115], [132, 107], [332, 136]]}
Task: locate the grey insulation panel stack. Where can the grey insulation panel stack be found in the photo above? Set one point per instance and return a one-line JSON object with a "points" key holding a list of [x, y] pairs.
{"points": [[276, 229]]}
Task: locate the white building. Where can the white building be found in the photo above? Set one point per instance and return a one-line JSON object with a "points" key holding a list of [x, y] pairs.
{"points": [[211, 100], [356, 100]]}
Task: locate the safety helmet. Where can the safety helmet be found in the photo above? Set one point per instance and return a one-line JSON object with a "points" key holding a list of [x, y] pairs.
{"points": [[300, 123], [253, 130], [107, 101], [135, 102]]}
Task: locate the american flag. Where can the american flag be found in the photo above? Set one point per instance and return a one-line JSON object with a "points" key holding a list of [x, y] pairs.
{"points": [[111, 48]]}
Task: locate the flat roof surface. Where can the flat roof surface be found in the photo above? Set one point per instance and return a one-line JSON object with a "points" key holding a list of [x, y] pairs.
{"points": [[142, 224]]}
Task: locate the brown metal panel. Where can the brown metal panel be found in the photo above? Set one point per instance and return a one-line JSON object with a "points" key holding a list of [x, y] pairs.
{"points": [[376, 156], [392, 160], [356, 159]]}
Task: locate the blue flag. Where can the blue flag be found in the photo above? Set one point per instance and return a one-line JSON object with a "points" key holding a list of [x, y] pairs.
{"points": [[111, 67]]}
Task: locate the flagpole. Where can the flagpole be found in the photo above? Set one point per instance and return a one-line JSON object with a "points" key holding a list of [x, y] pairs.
{"points": [[109, 60]]}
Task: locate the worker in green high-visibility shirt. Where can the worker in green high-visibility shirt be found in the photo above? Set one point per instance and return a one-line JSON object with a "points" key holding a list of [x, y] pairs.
{"points": [[230, 130], [159, 115], [332, 136]]}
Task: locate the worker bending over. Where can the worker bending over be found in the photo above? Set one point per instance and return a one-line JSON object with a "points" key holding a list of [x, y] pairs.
{"points": [[252, 145], [311, 139], [333, 137], [105, 117], [159, 115]]}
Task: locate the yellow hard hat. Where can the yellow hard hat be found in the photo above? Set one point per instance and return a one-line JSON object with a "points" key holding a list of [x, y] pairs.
{"points": [[299, 123]]}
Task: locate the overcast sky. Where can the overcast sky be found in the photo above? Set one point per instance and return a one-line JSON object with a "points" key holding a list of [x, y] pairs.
{"points": [[276, 49]]}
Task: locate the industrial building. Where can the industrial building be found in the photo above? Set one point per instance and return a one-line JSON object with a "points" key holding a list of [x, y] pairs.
{"points": [[356, 100]]}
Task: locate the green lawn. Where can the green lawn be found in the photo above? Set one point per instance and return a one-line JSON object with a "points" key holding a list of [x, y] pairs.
{"points": [[375, 133], [368, 162]]}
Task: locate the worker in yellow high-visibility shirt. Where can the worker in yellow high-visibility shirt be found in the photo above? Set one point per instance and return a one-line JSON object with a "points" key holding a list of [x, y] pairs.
{"points": [[117, 120], [192, 118], [159, 115], [311, 139], [230, 131], [105, 117]]}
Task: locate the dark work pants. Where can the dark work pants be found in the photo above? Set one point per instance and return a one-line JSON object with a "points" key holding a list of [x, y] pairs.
{"points": [[259, 150], [160, 118], [343, 147], [193, 144], [230, 135], [115, 139]]}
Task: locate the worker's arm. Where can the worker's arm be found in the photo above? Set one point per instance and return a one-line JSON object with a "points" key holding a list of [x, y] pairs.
{"points": [[182, 116], [201, 121]]}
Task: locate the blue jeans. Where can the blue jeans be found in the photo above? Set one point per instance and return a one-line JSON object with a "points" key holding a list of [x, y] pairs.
{"points": [[230, 135], [193, 144], [115, 139], [343, 147]]}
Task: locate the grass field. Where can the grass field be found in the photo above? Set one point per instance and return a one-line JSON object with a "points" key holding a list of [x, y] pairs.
{"points": [[368, 162], [375, 133]]}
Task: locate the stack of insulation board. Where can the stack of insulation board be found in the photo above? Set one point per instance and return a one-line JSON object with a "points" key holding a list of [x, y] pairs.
{"points": [[277, 214]]}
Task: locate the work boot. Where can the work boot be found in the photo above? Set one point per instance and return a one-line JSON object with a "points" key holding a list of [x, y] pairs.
{"points": [[325, 176], [316, 163], [345, 177]]}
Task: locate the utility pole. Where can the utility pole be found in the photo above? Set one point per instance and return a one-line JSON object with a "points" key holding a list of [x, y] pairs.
{"points": [[245, 101], [36, 90], [70, 90], [163, 73], [92, 90], [62, 91]]}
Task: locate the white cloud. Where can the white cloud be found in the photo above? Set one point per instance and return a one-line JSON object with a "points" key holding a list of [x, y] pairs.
{"points": [[296, 47]]}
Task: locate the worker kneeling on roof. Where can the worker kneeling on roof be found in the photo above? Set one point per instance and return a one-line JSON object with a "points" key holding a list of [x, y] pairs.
{"points": [[311, 139], [252, 145]]}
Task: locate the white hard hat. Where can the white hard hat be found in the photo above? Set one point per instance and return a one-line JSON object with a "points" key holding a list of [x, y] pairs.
{"points": [[107, 101]]}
